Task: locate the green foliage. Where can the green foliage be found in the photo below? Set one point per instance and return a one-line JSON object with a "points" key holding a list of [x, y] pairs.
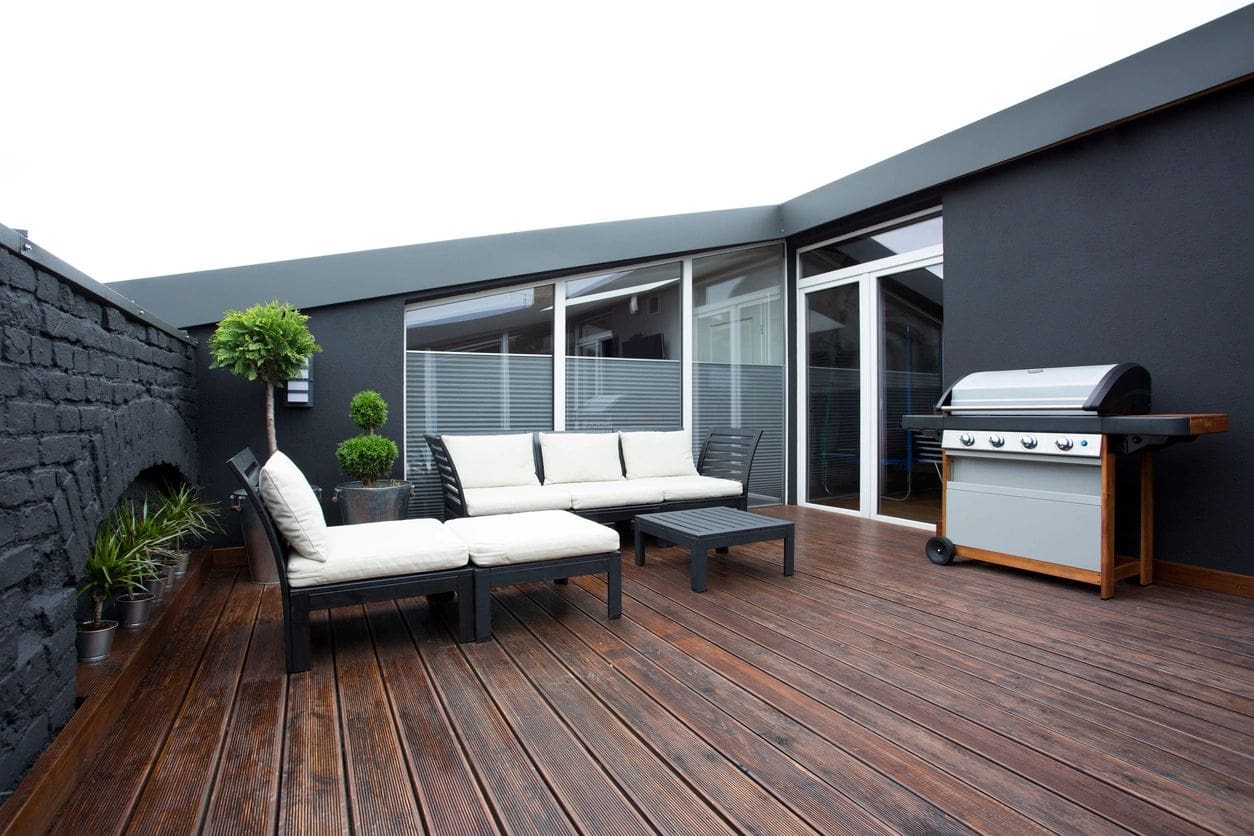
{"points": [[144, 533], [182, 511], [368, 410], [270, 342], [366, 457], [112, 563]]}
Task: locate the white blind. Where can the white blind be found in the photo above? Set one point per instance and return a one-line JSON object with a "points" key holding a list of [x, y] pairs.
{"points": [[614, 393], [744, 397], [455, 392]]}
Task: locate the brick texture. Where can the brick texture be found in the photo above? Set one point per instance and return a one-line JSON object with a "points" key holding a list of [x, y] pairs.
{"points": [[89, 399]]}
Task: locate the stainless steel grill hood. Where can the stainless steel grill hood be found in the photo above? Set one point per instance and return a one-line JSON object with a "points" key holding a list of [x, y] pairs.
{"points": [[1115, 389]]}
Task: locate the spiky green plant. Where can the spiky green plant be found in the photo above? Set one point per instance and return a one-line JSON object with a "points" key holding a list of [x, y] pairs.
{"points": [[143, 531], [184, 513], [112, 563], [270, 343]]}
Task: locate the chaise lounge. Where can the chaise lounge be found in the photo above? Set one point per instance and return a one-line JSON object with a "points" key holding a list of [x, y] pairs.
{"points": [[321, 566]]}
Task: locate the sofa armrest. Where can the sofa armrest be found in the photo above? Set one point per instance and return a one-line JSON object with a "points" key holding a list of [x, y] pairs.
{"points": [[728, 454], [450, 482]]}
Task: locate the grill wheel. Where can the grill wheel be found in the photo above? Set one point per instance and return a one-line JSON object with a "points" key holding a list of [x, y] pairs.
{"points": [[939, 550]]}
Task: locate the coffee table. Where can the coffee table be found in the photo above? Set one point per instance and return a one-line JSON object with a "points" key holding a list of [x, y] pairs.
{"points": [[702, 529]]}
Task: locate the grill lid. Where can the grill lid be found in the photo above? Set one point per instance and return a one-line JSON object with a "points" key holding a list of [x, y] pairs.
{"points": [[1117, 389]]}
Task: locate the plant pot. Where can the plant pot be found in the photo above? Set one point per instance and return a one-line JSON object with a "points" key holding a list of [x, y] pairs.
{"points": [[261, 562], [178, 562], [387, 500], [95, 640], [133, 609], [156, 587]]}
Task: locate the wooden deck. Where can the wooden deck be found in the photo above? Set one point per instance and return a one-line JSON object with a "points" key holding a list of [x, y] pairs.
{"points": [[871, 692]]}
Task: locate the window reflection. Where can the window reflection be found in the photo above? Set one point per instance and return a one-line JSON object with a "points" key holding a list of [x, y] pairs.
{"points": [[887, 242], [514, 322]]}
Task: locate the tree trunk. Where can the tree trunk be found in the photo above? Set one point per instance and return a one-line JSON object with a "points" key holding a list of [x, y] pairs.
{"points": [[97, 607], [270, 437]]}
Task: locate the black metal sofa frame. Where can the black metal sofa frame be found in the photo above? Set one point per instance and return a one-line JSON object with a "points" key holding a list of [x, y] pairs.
{"points": [[298, 601], [726, 454]]}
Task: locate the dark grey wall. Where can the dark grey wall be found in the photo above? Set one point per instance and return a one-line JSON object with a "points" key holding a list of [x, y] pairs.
{"points": [[91, 396], [1134, 244], [363, 348]]}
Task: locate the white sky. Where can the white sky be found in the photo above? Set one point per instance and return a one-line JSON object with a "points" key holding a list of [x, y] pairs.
{"points": [[143, 139]]}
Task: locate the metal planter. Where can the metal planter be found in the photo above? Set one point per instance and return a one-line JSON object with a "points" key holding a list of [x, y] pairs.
{"points": [[387, 500], [95, 640], [134, 609]]}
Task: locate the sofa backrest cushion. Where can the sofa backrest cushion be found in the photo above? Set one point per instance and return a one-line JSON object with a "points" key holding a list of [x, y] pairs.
{"points": [[580, 457], [648, 454], [493, 461], [293, 506]]}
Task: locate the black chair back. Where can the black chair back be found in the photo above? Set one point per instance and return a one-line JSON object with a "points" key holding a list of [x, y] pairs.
{"points": [[247, 470]]}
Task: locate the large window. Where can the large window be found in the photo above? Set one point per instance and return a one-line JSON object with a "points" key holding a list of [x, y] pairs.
{"points": [[738, 371], [624, 350], [475, 365], [606, 351]]}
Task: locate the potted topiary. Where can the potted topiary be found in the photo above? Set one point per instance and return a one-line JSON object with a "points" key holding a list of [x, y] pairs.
{"points": [[110, 564], [270, 343], [368, 458], [186, 516]]}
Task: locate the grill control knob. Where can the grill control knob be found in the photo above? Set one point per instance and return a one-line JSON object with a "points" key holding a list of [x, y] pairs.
{"points": [[1028, 442], [996, 440], [1064, 444], [967, 439]]}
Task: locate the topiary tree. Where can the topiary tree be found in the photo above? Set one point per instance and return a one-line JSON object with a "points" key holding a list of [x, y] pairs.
{"points": [[367, 457], [269, 342]]}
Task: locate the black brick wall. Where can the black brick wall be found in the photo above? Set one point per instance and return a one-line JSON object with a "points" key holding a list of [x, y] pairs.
{"points": [[90, 396]]}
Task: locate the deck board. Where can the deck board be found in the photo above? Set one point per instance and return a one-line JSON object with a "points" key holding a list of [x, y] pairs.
{"points": [[869, 692]]}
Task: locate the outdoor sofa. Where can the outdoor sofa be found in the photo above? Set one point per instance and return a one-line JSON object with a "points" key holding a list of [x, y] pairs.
{"points": [[602, 476], [321, 566]]}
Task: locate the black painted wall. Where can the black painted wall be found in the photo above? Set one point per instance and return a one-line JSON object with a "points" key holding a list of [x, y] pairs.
{"points": [[90, 398], [1134, 244], [362, 348]]}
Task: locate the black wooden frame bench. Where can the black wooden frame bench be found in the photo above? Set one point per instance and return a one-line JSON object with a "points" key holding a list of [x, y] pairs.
{"points": [[725, 454], [299, 600]]}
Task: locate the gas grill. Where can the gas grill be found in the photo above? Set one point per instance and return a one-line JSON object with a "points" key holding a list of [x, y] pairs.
{"points": [[1028, 465]]}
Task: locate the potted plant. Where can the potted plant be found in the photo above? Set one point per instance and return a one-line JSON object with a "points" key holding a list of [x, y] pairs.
{"points": [[270, 343], [145, 539], [185, 516], [368, 458], [110, 564]]}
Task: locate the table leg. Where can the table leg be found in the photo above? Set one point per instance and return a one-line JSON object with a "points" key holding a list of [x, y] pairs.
{"points": [[1147, 518], [700, 559], [639, 546], [788, 553]]}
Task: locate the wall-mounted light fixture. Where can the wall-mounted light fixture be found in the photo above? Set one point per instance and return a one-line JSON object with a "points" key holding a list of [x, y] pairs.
{"points": [[300, 388]]}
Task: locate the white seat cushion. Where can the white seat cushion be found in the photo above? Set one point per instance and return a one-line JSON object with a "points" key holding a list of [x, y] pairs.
{"points": [[648, 454], [580, 457], [481, 502], [493, 461], [293, 506], [378, 550], [679, 488], [613, 493], [507, 539]]}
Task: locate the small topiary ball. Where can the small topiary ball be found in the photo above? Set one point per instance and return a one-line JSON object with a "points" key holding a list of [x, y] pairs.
{"points": [[366, 458], [368, 410]]}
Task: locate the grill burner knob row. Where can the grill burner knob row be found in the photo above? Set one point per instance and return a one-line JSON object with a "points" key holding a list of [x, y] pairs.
{"points": [[967, 439], [996, 440], [1064, 444], [1028, 442]]}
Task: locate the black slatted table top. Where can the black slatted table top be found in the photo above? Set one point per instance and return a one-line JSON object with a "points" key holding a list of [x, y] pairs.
{"points": [[702, 529], [705, 523]]}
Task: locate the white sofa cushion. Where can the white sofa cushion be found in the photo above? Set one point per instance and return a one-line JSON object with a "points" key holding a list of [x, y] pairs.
{"points": [[506, 539], [380, 549], [648, 454], [679, 488], [294, 507], [584, 495], [493, 461], [483, 501], [580, 457]]}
